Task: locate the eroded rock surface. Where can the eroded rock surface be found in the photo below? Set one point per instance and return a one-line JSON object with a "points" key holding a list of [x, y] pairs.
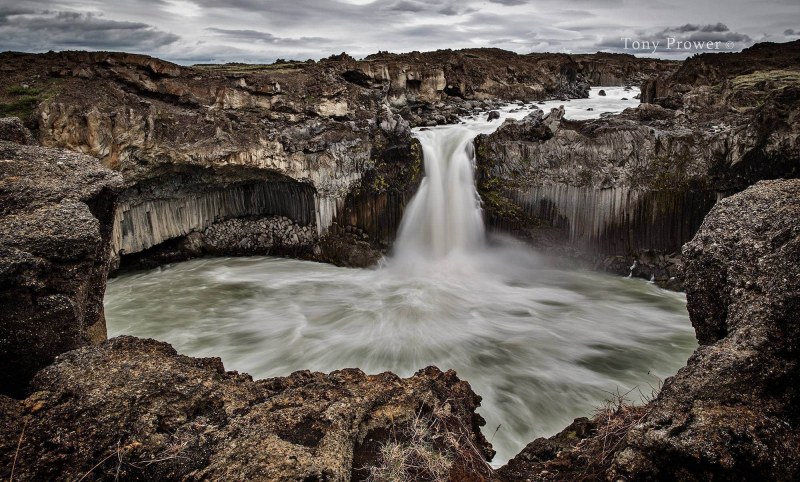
{"points": [[133, 409], [338, 127], [56, 211], [635, 186], [732, 413]]}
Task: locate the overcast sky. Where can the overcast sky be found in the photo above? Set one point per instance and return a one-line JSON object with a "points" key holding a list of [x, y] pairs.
{"points": [[192, 31]]}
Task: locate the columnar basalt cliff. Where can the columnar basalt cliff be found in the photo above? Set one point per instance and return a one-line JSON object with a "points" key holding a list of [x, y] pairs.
{"points": [[56, 212], [334, 128], [635, 187], [732, 412]]}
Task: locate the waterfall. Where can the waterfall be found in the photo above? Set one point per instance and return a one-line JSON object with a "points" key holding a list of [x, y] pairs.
{"points": [[445, 215]]}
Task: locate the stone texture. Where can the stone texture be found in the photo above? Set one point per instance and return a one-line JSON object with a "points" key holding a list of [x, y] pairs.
{"points": [[732, 412], [638, 184], [12, 130], [55, 227], [333, 126], [133, 409]]}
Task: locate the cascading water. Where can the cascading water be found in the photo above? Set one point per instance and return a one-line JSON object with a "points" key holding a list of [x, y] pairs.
{"points": [[444, 216], [540, 344]]}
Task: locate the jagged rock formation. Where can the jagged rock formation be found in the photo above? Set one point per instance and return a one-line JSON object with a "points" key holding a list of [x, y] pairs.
{"points": [[134, 409], [608, 69], [635, 187], [732, 412], [332, 127], [56, 212]]}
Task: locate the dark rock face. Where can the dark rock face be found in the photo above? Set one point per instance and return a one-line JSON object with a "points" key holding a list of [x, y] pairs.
{"points": [[608, 69], [56, 212], [333, 126], [637, 185], [12, 130], [732, 412], [133, 409]]}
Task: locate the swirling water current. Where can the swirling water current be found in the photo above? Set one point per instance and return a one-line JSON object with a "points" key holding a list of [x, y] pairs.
{"points": [[540, 343]]}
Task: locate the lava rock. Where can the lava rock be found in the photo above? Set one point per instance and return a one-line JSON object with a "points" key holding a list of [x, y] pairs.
{"points": [[56, 213], [133, 409], [493, 115], [731, 412], [12, 130]]}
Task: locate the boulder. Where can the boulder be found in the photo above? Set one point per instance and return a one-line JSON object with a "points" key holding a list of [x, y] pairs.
{"points": [[12, 130], [56, 211]]}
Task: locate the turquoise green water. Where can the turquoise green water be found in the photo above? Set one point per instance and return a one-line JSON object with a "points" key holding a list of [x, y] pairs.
{"points": [[541, 345]]}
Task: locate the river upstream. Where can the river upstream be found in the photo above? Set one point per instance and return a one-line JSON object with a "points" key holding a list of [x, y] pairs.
{"points": [[541, 344]]}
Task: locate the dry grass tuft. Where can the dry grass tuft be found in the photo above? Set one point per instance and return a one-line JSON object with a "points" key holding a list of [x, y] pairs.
{"points": [[613, 421], [414, 460]]}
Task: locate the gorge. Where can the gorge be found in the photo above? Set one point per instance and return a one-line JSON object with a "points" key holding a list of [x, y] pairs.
{"points": [[443, 297], [318, 161]]}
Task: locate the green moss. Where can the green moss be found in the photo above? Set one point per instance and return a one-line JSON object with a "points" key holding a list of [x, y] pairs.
{"points": [[496, 203], [379, 183], [21, 107], [21, 101], [20, 90], [772, 79]]}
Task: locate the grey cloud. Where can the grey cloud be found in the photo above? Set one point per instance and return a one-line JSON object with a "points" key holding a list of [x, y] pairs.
{"points": [[718, 27], [697, 37], [262, 30], [46, 30], [509, 2], [789, 32], [255, 35]]}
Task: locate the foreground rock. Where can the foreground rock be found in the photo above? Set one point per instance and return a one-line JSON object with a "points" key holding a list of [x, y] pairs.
{"points": [[732, 413], [56, 211], [133, 409]]}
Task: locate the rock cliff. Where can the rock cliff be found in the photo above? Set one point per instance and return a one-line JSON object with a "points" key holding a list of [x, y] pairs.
{"points": [[331, 138], [732, 412], [56, 212], [635, 187]]}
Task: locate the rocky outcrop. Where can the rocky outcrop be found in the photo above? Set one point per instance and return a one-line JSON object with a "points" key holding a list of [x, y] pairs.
{"points": [[334, 127], [133, 409], [474, 74], [732, 412], [625, 192], [13, 130], [607, 69], [56, 212], [720, 69]]}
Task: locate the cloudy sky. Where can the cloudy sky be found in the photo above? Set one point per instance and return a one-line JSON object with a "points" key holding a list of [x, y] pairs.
{"points": [[192, 31]]}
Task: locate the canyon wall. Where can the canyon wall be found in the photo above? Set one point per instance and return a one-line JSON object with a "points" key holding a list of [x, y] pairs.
{"points": [[338, 128], [731, 413], [625, 192]]}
